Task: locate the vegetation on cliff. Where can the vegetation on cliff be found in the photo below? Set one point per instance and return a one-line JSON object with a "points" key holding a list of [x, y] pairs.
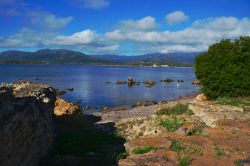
{"points": [[224, 69]]}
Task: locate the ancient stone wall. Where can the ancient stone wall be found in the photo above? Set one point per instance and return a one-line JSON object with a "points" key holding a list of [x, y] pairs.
{"points": [[26, 129]]}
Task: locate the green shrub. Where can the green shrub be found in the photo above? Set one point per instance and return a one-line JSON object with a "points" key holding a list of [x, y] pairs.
{"points": [[120, 155], [179, 109], [224, 69], [172, 124], [141, 150], [238, 163], [184, 162], [176, 146], [219, 152], [232, 101]]}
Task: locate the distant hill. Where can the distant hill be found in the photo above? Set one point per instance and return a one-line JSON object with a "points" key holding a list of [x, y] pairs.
{"points": [[62, 56], [48, 56], [171, 59]]}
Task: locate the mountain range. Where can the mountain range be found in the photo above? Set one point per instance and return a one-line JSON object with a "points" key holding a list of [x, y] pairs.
{"points": [[62, 56]]}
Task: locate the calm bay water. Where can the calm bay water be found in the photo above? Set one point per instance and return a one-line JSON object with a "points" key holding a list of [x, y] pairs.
{"points": [[89, 82]]}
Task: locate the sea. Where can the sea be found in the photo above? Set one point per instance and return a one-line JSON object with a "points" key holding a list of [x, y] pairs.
{"points": [[95, 86]]}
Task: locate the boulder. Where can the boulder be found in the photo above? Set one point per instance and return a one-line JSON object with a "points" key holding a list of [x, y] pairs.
{"points": [[196, 82], [131, 81], [121, 82], [63, 107], [210, 112], [105, 110], [201, 97], [26, 123], [149, 83], [167, 80], [70, 89]]}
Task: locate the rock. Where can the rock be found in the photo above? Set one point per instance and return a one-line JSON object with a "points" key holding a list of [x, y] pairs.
{"points": [[26, 128], [105, 110], [60, 92], [149, 83], [196, 82], [145, 103], [210, 161], [63, 107], [24, 82], [201, 97], [210, 112], [108, 82], [167, 80], [185, 130], [121, 82], [153, 158], [180, 80], [156, 142], [140, 127], [131, 81], [70, 89]]}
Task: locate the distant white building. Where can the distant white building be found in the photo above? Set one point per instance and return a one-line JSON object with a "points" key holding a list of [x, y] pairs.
{"points": [[164, 66]]}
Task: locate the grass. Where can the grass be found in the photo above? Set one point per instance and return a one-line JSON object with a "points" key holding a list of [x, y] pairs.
{"points": [[232, 101], [120, 155], [179, 109], [238, 163], [141, 150], [197, 130], [184, 162], [219, 152], [176, 146], [171, 124], [185, 150]]}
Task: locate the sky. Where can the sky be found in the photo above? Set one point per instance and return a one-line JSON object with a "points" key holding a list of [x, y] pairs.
{"points": [[124, 27]]}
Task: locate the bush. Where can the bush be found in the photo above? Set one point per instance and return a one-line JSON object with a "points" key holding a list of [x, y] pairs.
{"points": [[179, 109], [171, 124], [232, 101], [141, 150], [224, 70]]}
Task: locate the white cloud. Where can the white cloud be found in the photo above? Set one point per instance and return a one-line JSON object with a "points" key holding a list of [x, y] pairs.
{"points": [[93, 4], [197, 37], [78, 38], [146, 23], [51, 21], [27, 38], [176, 17]]}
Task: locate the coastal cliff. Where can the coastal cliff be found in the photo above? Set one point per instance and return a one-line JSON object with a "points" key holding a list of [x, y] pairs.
{"points": [[26, 128]]}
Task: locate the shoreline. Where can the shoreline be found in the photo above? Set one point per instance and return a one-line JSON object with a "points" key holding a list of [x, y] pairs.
{"points": [[107, 65], [106, 109], [115, 115]]}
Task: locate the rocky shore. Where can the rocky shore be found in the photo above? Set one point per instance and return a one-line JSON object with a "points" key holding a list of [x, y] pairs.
{"points": [[38, 128], [212, 135]]}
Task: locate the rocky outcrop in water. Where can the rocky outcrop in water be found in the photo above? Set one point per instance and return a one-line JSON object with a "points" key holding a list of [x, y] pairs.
{"points": [[26, 129]]}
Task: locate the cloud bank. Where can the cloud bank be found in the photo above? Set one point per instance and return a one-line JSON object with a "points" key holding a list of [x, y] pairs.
{"points": [[141, 35]]}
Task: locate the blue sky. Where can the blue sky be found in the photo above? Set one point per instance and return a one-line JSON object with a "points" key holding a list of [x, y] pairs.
{"points": [[126, 27]]}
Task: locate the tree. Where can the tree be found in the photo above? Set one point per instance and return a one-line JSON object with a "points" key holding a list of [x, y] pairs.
{"points": [[224, 70]]}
